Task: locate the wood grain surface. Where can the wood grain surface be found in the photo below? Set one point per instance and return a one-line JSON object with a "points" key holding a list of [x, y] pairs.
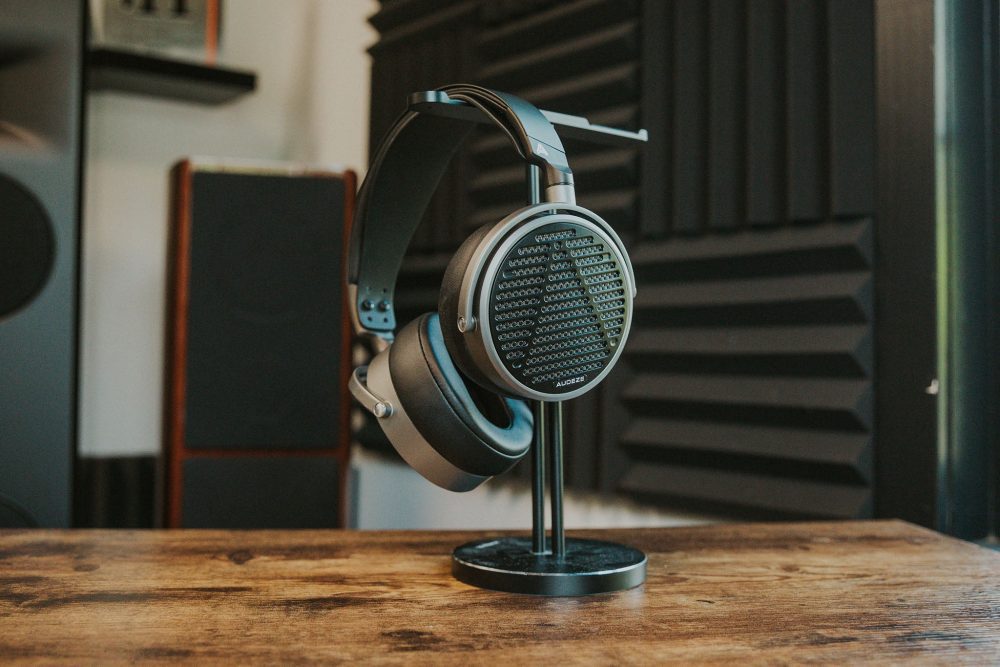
{"points": [[837, 592]]}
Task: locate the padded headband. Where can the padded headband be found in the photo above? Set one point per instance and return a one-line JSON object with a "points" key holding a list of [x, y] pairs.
{"points": [[406, 170]]}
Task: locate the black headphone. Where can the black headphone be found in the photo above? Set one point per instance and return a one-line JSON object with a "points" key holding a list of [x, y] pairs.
{"points": [[536, 306]]}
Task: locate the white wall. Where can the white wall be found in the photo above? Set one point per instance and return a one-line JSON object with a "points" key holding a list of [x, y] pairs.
{"points": [[390, 495], [311, 104]]}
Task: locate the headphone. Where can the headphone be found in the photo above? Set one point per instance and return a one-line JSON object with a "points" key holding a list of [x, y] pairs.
{"points": [[536, 306]]}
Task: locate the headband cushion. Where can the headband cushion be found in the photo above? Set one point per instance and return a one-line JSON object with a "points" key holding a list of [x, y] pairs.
{"points": [[451, 286], [391, 203], [477, 431]]}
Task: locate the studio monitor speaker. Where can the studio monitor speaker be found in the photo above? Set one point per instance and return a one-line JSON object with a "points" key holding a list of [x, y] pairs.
{"points": [[256, 419], [41, 55]]}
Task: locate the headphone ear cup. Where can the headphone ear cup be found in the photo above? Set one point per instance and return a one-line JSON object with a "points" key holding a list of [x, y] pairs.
{"points": [[448, 309], [477, 431]]}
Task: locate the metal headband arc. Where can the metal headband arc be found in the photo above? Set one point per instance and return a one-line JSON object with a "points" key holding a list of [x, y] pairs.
{"points": [[404, 173]]}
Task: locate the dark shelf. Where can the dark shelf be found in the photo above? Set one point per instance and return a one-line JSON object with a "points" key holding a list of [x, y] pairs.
{"points": [[125, 71]]}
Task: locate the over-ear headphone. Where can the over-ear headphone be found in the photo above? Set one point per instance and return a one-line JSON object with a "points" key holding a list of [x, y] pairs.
{"points": [[536, 306]]}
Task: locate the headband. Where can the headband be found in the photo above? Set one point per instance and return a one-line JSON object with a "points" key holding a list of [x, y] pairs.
{"points": [[404, 173]]}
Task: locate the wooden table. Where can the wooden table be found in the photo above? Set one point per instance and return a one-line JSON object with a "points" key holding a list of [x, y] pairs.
{"points": [[840, 592]]}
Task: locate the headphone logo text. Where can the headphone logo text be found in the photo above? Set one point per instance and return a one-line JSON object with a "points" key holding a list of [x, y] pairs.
{"points": [[576, 380]]}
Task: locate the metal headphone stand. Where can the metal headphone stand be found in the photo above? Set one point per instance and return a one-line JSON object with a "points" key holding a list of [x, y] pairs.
{"points": [[561, 566]]}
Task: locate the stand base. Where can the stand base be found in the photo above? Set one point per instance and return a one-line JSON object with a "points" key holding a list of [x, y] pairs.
{"points": [[589, 566]]}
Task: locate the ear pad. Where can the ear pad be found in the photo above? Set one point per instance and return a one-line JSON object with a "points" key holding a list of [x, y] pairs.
{"points": [[448, 308], [477, 431]]}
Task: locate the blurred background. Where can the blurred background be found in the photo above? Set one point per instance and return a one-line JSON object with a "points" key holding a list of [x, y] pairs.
{"points": [[813, 224]]}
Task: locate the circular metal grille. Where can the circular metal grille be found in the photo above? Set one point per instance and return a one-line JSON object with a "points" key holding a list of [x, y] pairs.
{"points": [[559, 307]]}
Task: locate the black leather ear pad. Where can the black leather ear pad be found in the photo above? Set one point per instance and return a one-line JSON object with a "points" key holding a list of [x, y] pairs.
{"points": [[448, 309], [439, 402]]}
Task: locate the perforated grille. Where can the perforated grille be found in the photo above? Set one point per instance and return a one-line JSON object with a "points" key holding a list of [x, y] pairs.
{"points": [[564, 331]]}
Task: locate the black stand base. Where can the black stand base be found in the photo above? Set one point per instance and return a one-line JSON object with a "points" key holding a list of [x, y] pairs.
{"points": [[588, 566]]}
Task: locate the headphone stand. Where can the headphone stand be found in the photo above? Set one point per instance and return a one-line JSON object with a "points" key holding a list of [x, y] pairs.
{"points": [[557, 566]]}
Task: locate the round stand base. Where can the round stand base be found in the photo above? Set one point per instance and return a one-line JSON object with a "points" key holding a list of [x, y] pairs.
{"points": [[589, 566]]}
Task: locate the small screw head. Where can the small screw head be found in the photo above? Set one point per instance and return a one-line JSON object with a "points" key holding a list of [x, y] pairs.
{"points": [[367, 304], [382, 410], [462, 324], [384, 306]]}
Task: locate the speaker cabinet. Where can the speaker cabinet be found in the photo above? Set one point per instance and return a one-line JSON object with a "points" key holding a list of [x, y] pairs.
{"points": [[41, 55], [258, 357]]}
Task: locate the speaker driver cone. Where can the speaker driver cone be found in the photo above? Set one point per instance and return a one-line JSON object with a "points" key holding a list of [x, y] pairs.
{"points": [[27, 247]]}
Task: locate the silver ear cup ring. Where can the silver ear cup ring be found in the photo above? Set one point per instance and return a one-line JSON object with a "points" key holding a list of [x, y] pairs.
{"points": [[553, 307]]}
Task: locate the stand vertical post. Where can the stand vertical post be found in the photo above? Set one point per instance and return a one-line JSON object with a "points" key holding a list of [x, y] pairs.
{"points": [[548, 438], [555, 424], [533, 178], [538, 480]]}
